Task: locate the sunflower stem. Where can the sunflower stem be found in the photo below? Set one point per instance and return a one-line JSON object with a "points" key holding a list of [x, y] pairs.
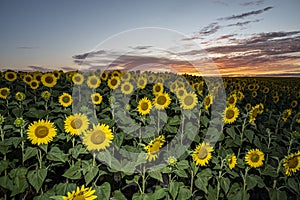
{"points": [[143, 179], [94, 159], [182, 128], [245, 178], [242, 135], [22, 145], [4, 156], [158, 122], [40, 158], [192, 181]]}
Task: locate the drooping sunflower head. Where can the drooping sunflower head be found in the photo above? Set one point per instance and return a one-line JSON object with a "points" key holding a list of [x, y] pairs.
{"points": [[96, 98], [291, 163], [162, 101], [298, 118], [189, 101], [200, 87], [104, 75], [49, 80], [41, 132], [144, 106], [232, 99], [81, 194], [20, 96], [4, 92], [253, 114], [93, 82], [208, 100], [230, 115], [127, 88], [202, 154], [153, 147], [34, 84], [254, 158], [98, 138], [113, 82], [231, 160], [10, 76], [77, 78], [260, 108], [286, 113], [76, 124], [65, 99], [46, 95], [158, 88]]}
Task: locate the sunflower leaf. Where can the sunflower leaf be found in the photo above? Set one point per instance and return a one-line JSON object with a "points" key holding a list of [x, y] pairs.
{"points": [[37, 177]]}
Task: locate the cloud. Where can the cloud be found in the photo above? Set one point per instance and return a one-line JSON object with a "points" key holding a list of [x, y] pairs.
{"points": [[255, 3], [243, 23], [243, 15], [27, 47]]}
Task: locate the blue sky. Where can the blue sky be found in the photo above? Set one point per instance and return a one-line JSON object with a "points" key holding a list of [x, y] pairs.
{"points": [[49, 34]]}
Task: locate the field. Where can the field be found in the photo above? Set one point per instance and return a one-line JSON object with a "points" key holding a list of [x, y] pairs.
{"points": [[133, 135]]}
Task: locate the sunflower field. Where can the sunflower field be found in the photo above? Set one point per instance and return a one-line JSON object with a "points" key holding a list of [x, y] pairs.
{"points": [[143, 135]]}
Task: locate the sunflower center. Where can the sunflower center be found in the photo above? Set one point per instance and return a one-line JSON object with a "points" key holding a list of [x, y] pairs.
{"points": [[4, 92], [141, 82], [49, 79], [126, 87], [293, 162], [144, 106], [33, 84], [161, 100], [80, 197], [114, 82], [66, 99], [76, 123], [229, 114], [157, 88], [202, 153], [41, 131], [77, 78], [188, 100], [28, 79], [94, 81], [11, 76], [155, 147], [98, 137], [96, 98], [254, 158], [180, 93], [231, 100]]}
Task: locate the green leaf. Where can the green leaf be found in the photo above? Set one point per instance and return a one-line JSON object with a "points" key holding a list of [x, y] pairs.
{"points": [[6, 182], [37, 177], [20, 185], [118, 195], [103, 191], [231, 132], [92, 173], [30, 152], [74, 172], [156, 175], [183, 164], [181, 173], [56, 154], [201, 184], [159, 193], [173, 121], [3, 165], [211, 194], [57, 197], [240, 195], [251, 182], [292, 183], [163, 116], [184, 193], [225, 184], [277, 194], [174, 188], [249, 135], [269, 171]]}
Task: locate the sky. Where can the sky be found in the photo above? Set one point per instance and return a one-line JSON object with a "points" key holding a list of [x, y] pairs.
{"points": [[230, 37]]}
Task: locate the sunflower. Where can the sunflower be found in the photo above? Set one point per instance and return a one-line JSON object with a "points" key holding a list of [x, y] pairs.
{"points": [[172, 161], [275, 98], [180, 92], [254, 158], [96, 98], [34, 84], [231, 161], [254, 94], [37, 76], [253, 113], [232, 99], [158, 88], [230, 115], [76, 124], [200, 87], [248, 106], [116, 73], [49, 80], [208, 100], [98, 138], [41, 132], [126, 76], [298, 118], [141, 82], [27, 78], [202, 153], [126, 88], [65, 100], [294, 103], [10, 76], [93, 82], [20, 96], [46, 95], [162, 101], [153, 147], [4, 92], [104, 76], [113, 82], [77, 78], [286, 113], [189, 101], [144, 106], [240, 95], [81, 194], [291, 163]]}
